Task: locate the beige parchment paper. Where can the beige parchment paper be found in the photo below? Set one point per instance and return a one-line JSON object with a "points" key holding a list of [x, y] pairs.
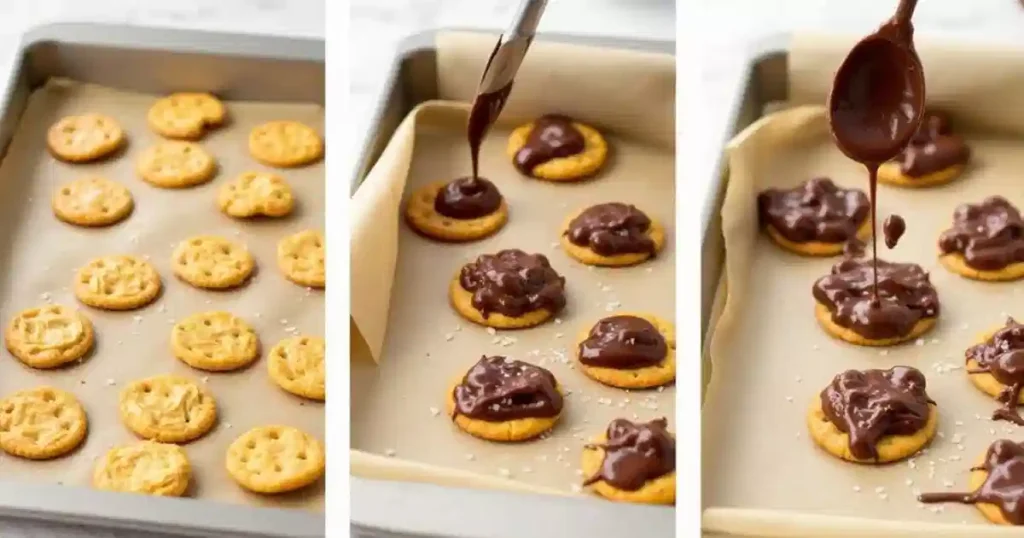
{"points": [[41, 253], [413, 345], [762, 475]]}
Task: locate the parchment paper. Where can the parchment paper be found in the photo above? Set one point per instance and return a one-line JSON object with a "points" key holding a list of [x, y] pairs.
{"points": [[400, 304], [770, 358], [41, 253]]}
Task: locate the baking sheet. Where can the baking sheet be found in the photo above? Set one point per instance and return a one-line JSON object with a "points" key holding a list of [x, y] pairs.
{"points": [[413, 344], [769, 357], [41, 253]]}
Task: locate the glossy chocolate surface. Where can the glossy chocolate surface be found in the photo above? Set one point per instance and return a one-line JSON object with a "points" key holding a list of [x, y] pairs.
{"points": [[553, 136], [989, 235], [1003, 485], [612, 228], [1002, 355], [815, 210], [498, 389], [933, 148], [623, 342], [635, 453], [468, 198], [512, 282], [893, 229]]}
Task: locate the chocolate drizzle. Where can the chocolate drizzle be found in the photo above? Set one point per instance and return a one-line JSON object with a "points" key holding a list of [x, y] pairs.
{"points": [[513, 283], [612, 228], [893, 229], [989, 235], [635, 453], [553, 136], [497, 389], [815, 210], [623, 342], [870, 404], [1003, 485], [1002, 355], [905, 296], [933, 148], [467, 198]]}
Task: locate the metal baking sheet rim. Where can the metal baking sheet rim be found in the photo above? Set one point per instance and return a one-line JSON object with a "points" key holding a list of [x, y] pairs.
{"points": [[118, 511], [374, 502]]}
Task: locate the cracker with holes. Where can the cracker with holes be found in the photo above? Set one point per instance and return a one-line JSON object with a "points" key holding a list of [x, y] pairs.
{"points": [[185, 115], [41, 423], [275, 459], [212, 262], [148, 468], [84, 138], [285, 144], [629, 351], [167, 408], [176, 165], [117, 283], [256, 194], [92, 201], [297, 365], [301, 258], [49, 336], [215, 341]]}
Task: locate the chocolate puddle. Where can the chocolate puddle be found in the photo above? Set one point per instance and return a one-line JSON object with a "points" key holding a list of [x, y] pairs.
{"points": [[623, 342], [989, 235], [612, 228], [553, 136], [1003, 486], [1002, 355], [816, 210], [635, 453], [497, 389]]}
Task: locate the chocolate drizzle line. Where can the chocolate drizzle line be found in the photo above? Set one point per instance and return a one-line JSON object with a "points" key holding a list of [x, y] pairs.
{"points": [[512, 282], [1002, 355], [870, 404], [989, 235], [553, 136], [623, 342], [1003, 485], [815, 210], [466, 198], [933, 148], [612, 228], [635, 453], [905, 296], [497, 389]]}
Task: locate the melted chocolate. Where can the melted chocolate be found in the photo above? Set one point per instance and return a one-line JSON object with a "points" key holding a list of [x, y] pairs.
{"points": [[989, 235], [905, 296], [612, 228], [933, 148], [1003, 485], [497, 389], [816, 210], [871, 404], [1002, 355], [893, 229], [485, 111], [467, 198], [513, 283], [635, 453], [623, 342], [553, 136], [877, 102]]}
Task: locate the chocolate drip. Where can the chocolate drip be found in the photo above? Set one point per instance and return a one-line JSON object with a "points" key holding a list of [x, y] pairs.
{"points": [[893, 230], [466, 198], [933, 148], [612, 228], [513, 283], [871, 404], [815, 210], [553, 136], [497, 389], [1002, 355], [635, 453], [990, 235], [905, 296], [1003, 485], [623, 342]]}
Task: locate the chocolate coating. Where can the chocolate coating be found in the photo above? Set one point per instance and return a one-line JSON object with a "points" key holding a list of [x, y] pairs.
{"points": [[623, 342], [467, 198], [989, 235], [512, 282], [905, 296], [635, 453], [815, 210], [933, 148], [893, 229], [612, 228], [553, 136], [1002, 355], [1003, 486], [870, 404], [497, 389]]}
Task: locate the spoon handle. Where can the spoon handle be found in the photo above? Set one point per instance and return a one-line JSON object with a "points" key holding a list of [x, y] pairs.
{"points": [[905, 11]]}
